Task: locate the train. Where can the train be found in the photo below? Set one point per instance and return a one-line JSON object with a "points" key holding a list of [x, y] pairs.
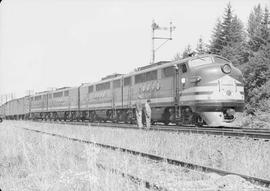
{"points": [[201, 90]]}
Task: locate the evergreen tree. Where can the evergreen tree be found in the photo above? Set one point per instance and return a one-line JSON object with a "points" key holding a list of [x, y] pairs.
{"points": [[235, 46], [257, 76], [217, 39], [178, 56], [187, 52], [254, 29], [228, 38], [257, 71], [265, 27], [227, 29], [201, 47]]}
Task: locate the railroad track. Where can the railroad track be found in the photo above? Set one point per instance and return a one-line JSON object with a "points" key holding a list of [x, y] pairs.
{"points": [[147, 184], [231, 132], [134, 179]]}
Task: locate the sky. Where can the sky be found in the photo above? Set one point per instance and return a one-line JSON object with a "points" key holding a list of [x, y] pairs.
{"points": [[47, 44]]}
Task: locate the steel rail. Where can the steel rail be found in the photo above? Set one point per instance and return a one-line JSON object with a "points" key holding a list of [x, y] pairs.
{"points": [[230, 132], [134, 179], [254, 180]]}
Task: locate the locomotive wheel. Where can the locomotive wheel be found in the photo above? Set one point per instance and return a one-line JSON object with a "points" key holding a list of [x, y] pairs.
{"points": [[166, 116], [198, 121], [92, 117], [166, 122], [199, 124]]}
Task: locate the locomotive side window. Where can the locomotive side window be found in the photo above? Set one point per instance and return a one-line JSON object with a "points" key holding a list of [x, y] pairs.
{"points": [[37, 98], [116, 83], [66, 93], [152, 75], [127, 81], [140, 78], [148, 76], [103, 86], [57, 94], [90, 89], [168, 71], [200, 61]]}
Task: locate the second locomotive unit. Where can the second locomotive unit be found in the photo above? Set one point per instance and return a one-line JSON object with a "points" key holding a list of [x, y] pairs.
{"points": [[201, 90]]}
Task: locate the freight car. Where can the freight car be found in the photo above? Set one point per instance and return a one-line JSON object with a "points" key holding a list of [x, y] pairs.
{"points": [[201, 90]]}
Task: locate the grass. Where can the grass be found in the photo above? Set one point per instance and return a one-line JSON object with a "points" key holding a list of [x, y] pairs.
{"points": [[239, 155], [258, 120], [31, 161]]}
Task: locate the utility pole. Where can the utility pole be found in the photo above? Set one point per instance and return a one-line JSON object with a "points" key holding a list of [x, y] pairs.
{"points": [[157, 27]]}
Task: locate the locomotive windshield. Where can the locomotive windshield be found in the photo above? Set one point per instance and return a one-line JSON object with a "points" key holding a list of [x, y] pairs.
{"points": [[200, 61], [220, 60]]}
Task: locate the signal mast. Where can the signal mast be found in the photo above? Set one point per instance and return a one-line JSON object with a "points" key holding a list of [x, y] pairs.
{"points": [[155, 26]]}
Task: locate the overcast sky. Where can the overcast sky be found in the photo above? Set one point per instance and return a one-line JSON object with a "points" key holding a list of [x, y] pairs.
{"points": [[54, 43]]}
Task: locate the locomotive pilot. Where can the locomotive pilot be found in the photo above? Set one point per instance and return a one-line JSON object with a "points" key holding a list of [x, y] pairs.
{"points": [[139, 108], [148, 113]]}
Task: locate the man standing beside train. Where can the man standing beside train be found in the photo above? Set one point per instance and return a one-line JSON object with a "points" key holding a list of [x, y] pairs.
{"points": [[139, 108], [148, 114]]}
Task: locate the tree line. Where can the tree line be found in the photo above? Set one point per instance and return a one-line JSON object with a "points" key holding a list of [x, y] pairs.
{"points": [[248, 47]]}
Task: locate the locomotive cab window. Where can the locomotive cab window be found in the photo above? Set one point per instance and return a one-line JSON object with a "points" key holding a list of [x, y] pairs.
{"points": [[200, 61], [182, 68], [221, 60]]}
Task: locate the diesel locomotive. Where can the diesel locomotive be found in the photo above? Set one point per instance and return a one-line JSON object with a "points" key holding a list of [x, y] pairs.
{"points": [[200, 90]]}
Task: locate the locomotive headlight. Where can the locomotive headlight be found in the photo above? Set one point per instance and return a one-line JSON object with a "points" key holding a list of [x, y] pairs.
{"points": [[226, 69], [229, 93], [230, 112]]}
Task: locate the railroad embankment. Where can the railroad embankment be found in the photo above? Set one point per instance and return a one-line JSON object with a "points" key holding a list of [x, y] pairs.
{"points": [[32, 161]]}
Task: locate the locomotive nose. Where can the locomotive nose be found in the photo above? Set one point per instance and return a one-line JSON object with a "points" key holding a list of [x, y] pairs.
{"points": [[211, 74]]}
